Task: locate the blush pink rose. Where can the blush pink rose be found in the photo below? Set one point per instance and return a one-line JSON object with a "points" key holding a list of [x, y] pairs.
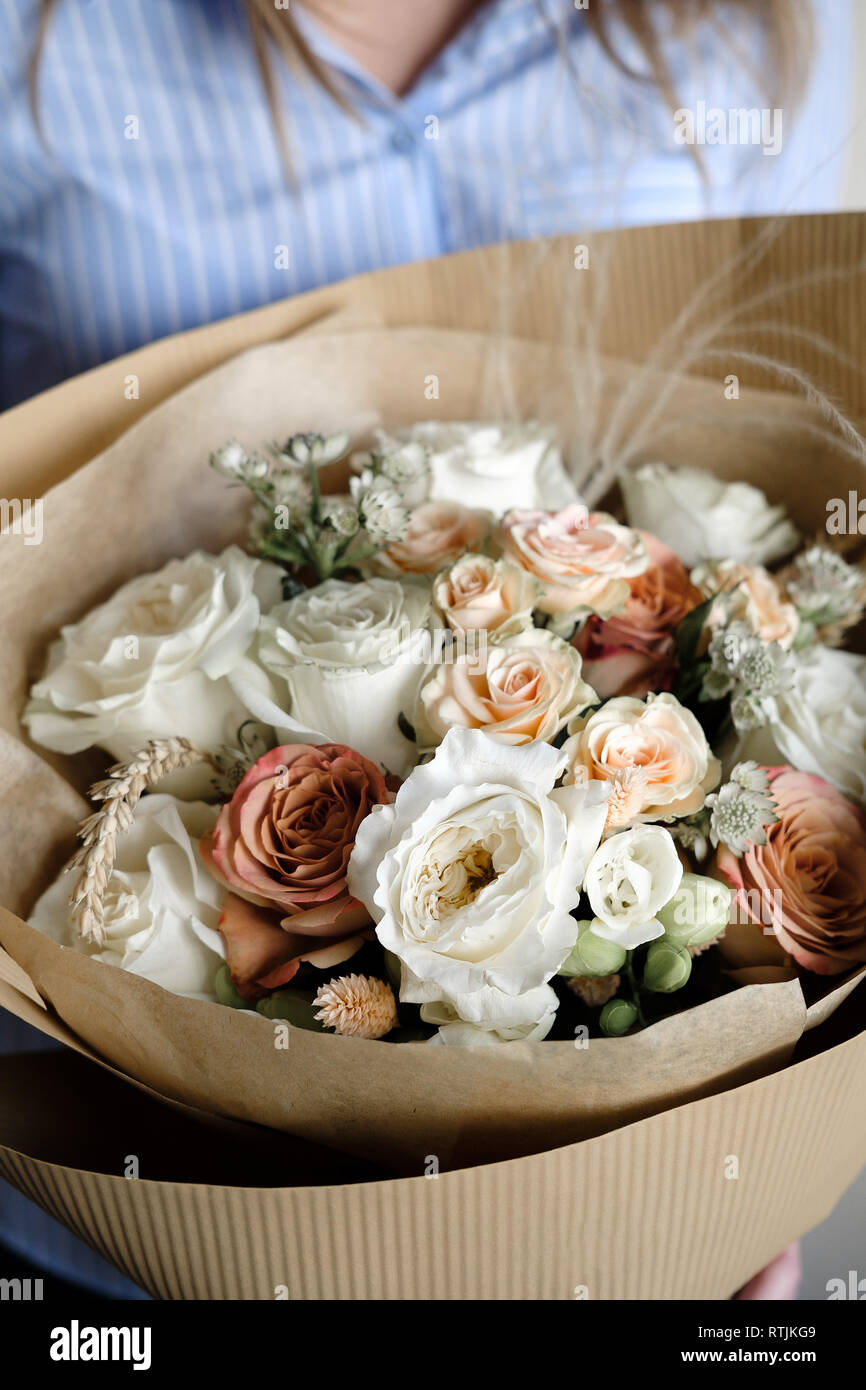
{"points": [[808, 882], [633, 653], [438, 534], [282, 845], [583, 560]]}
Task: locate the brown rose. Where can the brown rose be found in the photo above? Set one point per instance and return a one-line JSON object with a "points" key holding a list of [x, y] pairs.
{"points": [[282, 845], [808, 882]]}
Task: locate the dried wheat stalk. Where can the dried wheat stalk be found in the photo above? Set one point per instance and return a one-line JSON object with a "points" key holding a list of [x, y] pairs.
{"points": [[119, 794]]}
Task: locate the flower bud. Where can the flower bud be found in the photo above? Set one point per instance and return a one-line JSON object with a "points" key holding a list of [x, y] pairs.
{"points": [[697, 912], [591, 955], [617, 1017], [667, 967]]}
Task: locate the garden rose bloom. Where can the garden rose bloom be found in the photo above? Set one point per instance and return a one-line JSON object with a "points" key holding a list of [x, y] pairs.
{"points": [[754, 597], [632, 653], [812, 869], [479, 593], [521, 688], [472, 875], [282, 846], [702, 517], [583, 560], [656, 749], [438, 534]]}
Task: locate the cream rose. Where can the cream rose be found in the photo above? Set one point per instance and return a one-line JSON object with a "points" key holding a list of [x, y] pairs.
{"points": [[752, 595], [701, 517], [154, 661], [653, 752], [630, 878], [161, 905], [524, 687], [819, 724], [583, 560], [438, 534], [340, 664], [480, 593], [516, 465], [471, 876]]}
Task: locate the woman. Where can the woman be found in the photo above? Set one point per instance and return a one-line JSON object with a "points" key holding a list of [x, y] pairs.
{"points": [[192, 160], [166, 163]]}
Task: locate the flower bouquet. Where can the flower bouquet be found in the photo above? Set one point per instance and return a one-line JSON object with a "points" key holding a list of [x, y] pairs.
{"points": [[437, 829], [425, 771]]}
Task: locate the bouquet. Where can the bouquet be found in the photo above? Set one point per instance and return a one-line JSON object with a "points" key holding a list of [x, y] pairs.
{"points": [[447, 757]]}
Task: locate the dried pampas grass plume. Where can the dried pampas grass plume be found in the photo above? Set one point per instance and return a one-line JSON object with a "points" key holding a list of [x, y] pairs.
{"points": [[357, 1006]]}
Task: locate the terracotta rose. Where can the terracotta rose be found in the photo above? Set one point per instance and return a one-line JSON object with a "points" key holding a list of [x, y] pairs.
{"points": [[282, 845], [633, 653], [808, 882]]}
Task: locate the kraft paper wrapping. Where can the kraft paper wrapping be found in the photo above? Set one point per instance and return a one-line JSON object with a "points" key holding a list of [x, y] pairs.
{"points": [[642, 1210], [155, 497]]}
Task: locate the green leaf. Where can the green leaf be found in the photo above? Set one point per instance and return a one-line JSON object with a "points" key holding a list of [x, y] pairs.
{"points": [[687, 633], [225, 991]]}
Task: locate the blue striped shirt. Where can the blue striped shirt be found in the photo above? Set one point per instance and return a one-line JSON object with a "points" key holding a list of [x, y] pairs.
{"points": [[159, 202]]}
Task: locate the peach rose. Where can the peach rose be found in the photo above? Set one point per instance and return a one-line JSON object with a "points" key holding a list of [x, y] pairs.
{"points": [[521, 688], [282, 845], [478, 593], [437, 535], [654, 752], [583, 560], [755, 597], [809, 880], [633, 653]]}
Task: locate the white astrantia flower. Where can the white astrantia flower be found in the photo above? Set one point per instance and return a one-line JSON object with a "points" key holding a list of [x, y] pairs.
{"points": [[162, 906], [471, 877], [629, 879], [702, 517], [817, 724], [153, 662], [340, 664], [478, 463]]}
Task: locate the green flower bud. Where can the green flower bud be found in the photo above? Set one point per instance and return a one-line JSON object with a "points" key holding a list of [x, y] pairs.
{"points": [[591, 955], [617, 1017], [225, 991], [697, 912], [294, 1005], [667, 967]]}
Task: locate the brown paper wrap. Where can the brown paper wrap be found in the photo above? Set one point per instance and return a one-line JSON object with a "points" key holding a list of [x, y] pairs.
{"points": [[537, 1226]]}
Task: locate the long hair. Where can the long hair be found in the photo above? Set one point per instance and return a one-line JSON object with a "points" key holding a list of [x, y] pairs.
{"points": [[786, 25]]}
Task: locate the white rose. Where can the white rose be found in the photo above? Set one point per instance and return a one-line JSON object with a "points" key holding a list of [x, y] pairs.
{"points": [[340, 663], [162, 906], [153, 662], [819, 724], [491, 466], [471, 876], [629, 879], [701, 517]]}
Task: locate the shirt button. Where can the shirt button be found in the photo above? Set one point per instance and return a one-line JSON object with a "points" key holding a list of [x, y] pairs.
{"points": [[402, 141]]}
